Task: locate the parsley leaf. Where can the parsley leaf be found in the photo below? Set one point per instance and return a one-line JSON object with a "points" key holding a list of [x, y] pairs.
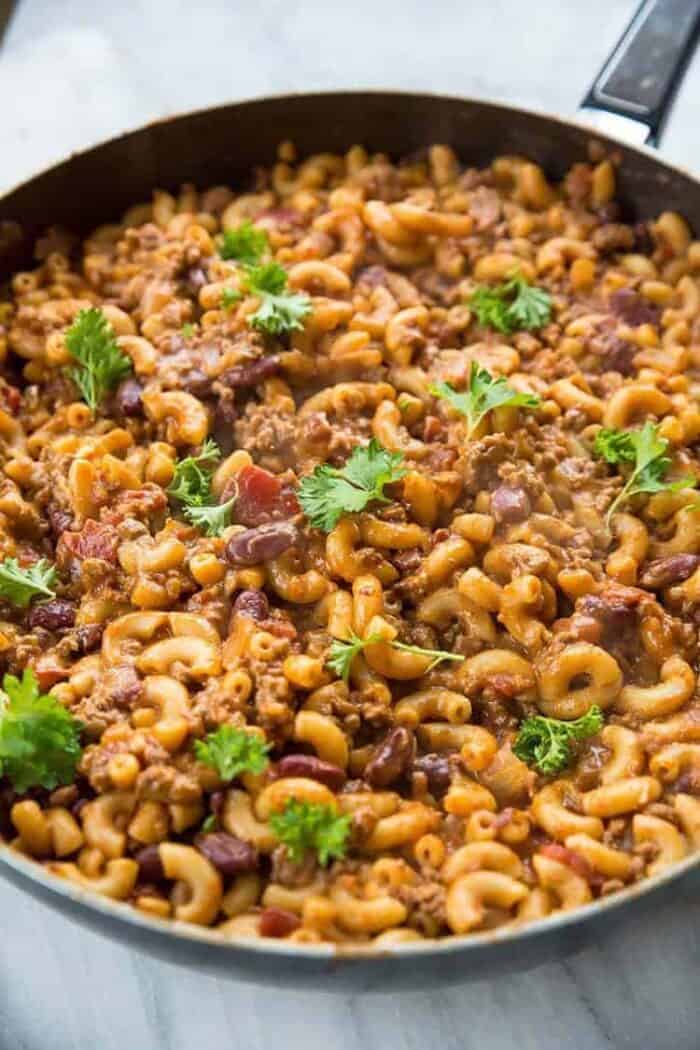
{"points": [[245, 244], [232, 751], [343, 651], [280, 310], [191, 485], [490, 309], [187, 330], [438, 655], [329, 492], [212, 520], [19, 585], [209, 824], [512, 306], [484, 394], [303, 826], [545, 742], [229, 298], [645, 452], [39, 738], [191, 482], [101, 363]]}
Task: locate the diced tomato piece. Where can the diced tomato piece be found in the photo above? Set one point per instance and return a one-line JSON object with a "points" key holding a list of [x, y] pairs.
{"points": [[569, 857], [262, 497], [93, 541]]}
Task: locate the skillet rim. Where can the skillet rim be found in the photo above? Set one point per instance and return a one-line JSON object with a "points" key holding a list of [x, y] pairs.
{"points": [[163, 929], [575, 122]]}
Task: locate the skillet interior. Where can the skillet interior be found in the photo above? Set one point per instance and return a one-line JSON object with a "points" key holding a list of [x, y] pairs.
{"points": [[222, 146], [226, 143]]}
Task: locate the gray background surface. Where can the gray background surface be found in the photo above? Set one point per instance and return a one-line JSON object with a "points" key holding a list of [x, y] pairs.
{"points": [[75, 71]]}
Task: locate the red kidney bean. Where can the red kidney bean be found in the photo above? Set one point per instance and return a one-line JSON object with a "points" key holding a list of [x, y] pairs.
{"points": [[231, 856], [216, 802], [150, 867], [77, 807], [60, 520], [194, 279], [611, 610], [197, 383], [253, 373], [436, 768], [127, 399], [510, 504], [666, 571], [55, 615], [633, 308], [274, 922], [89, 636], [222, 430], [261, 543], [314, 768], [391, 758], [253, 604]]}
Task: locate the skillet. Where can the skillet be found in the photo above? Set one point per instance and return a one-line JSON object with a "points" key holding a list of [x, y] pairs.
{"points": [[626, 104]]}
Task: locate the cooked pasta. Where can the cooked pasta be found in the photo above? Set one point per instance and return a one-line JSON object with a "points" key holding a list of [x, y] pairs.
{"points": [[350, 578]]}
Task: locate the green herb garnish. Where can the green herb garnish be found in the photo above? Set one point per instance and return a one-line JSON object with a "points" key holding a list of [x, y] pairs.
{"points": [[545, 742], [329, 492], [101, 363], [645, 452], [39, 738], [19, 586], [303, 826], [280, 310], [484, 394], [229, 298], [191, 486], [245, 244], [343, 651], [232, 751], [211, 520], [512, 306]]}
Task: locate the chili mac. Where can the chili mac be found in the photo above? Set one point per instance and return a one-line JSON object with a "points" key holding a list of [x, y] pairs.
{"points": [[350, 540]]}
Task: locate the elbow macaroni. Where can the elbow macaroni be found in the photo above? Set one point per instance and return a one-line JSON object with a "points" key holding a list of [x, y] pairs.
{"points": [[390, 661]]}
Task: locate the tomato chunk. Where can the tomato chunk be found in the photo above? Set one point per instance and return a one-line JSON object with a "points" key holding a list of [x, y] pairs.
{"points": [[262, 497]]}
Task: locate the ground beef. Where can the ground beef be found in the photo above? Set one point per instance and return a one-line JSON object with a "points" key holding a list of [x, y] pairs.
{"points": [[268, 437]]}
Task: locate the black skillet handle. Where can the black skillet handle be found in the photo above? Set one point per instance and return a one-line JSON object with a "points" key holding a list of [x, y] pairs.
{"points": [[634, 91]]}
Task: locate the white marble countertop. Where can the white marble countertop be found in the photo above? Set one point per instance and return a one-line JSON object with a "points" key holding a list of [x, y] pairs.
{"points": [[76, 71]]}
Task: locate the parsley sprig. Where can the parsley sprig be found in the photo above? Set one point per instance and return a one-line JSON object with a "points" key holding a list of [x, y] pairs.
{"points": [[245, 244], [39, 739], [484, 394], [101, 363], [330, 492], [232, 751], [229, 298], [512, 306], [343, 651], [545, 743], [280, 310], [191, 486], [303, 826], [19, 586], [645, 452]]}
